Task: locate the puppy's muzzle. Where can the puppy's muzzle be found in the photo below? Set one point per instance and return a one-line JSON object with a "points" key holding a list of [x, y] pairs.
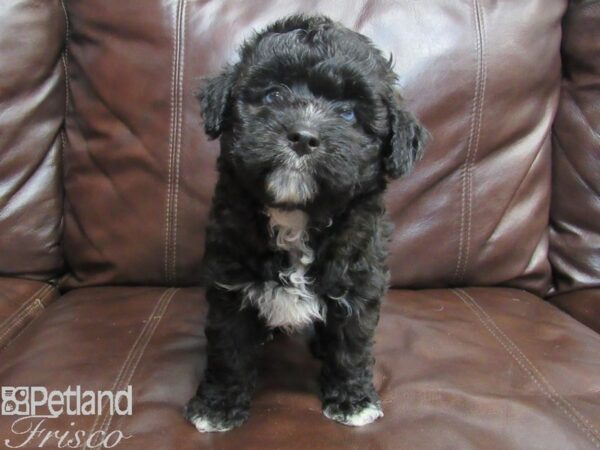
{"points": [[303, 140]]}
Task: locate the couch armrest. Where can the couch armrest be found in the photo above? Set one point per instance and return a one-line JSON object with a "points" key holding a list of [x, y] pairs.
{"points": [[575, 207]]}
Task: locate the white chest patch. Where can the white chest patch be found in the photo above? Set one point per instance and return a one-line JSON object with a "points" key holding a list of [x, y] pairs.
{"points": [[288, 302]]}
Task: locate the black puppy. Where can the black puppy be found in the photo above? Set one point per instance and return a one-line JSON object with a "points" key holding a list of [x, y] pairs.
{"points": [[311, 129]]}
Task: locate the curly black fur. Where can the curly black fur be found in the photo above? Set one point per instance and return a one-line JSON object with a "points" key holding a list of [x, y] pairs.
{"points": [[311, 128]]}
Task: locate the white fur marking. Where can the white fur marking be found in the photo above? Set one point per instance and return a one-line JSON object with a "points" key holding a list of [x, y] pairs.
{"points": [[287, 303], [364, 417], [288, 185], [203, 425]]}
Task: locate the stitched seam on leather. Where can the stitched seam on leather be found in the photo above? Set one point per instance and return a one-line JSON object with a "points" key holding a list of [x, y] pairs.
{"points": [[65, 62], [133, 358], [174, 142], [21, 323], [19, 317], [14, 337], [472, 143], [126, 379], [529, 368], [63, 131], [463, 171], [535, 369], [171, 130], [179, 136], [483, 69], [129, 354], [65, 54], [7, 324], [129, 376], [46, 295], [20, 320]]}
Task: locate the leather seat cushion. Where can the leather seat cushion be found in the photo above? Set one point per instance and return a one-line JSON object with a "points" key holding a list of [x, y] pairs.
{"points": [[20, 302], [474, 368]]}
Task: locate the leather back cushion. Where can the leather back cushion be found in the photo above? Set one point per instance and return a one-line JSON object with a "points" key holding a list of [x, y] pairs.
{"points": [[575, 226], [483, 76], [32, 108]]}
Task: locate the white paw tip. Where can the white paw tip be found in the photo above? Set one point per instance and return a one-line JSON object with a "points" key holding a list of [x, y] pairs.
{"points": [[365, 416], [203, 425]]}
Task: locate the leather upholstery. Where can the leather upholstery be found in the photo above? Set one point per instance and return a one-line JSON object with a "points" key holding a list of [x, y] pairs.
{"points": [[136, 149], [21, 301], [474, 368], [575, 228], [575, 219], [584, 305], [32, 109], [480, 367]]}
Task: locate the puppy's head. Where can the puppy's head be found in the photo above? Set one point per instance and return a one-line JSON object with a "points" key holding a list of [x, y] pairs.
{"points": [[310, 115]]}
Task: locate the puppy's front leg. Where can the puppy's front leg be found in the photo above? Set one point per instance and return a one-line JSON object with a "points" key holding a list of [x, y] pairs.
{"points": [[345, 346], [233, 340]]}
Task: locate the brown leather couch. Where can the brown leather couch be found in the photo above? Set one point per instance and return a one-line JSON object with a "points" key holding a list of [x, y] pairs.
{"points": [[106, 180]]}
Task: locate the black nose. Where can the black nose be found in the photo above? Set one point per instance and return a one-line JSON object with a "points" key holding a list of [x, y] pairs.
{"points": [[303, 140]]}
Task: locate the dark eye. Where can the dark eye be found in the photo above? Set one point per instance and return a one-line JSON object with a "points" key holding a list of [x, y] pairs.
{"points": [[348, 115], [272, 96]]}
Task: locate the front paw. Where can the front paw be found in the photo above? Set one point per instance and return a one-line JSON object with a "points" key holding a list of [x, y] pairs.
{"points": [[209, 416], [351, 412]]}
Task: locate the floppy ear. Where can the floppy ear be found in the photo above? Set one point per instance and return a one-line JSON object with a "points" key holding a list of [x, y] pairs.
{"points": [[214, 97], [406, 140]]}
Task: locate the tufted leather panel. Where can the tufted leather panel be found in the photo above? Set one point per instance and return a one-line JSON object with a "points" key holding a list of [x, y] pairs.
{"points": [[474, 368], [575, 219], [32, 107], [139, 173]]}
